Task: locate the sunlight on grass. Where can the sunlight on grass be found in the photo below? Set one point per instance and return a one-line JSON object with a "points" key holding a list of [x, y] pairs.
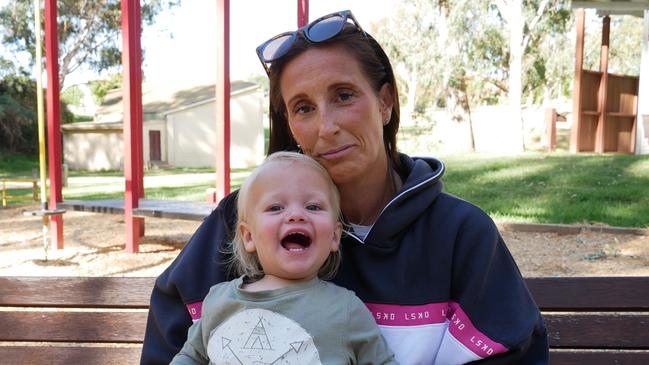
{"points": [[556, 188], [530, 187], [514, 172], [639, 168]]}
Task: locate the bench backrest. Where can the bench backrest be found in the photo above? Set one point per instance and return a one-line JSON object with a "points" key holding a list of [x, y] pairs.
{"points": [[594, 320], [72, 320]]}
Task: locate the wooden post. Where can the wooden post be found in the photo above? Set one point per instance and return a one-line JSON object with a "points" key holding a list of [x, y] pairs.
{"points": [[53, 121], [222, 99], [600, 142], [551, 128], [642, 119], [575, 131], [302, 13], [132, 98]]}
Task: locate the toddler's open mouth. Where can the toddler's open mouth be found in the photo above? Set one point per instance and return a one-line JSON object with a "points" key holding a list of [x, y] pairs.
{"points": [[296, 241]]}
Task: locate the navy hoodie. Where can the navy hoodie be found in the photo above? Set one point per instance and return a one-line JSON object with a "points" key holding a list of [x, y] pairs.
{"points": [[433, 271]]}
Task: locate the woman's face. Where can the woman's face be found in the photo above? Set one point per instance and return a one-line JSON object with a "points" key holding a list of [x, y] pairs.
{"points": [[334, 113]]}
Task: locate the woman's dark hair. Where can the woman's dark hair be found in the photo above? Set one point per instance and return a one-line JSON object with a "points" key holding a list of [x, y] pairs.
{"points": [[373, 62]]}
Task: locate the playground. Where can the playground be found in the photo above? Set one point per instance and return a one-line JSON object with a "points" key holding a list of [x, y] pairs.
{"points": [[94, 246]]}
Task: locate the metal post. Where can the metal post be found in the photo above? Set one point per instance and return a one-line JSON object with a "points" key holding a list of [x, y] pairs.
{"points": [[302, 13], [41, 123], [132, 98], [53, 121], [223, 99]]}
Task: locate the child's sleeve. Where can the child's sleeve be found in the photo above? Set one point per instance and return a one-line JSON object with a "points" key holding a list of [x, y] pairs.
{"points": [[364, 338], [193, 351]]}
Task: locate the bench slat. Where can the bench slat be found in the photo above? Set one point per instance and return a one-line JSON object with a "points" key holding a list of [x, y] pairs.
{"points": [[598, 330], [587, 293], [125, 327], [32, 355], [581, 357], [117, 292]]}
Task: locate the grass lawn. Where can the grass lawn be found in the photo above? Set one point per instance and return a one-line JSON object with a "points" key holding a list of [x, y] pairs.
{"points": [[555, 188], [534, 187]]}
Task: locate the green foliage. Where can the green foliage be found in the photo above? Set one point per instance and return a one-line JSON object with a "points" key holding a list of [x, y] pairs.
{"points": [[88, 31], [72, 95], [17, 164], [442, 49], [625, 37], [81, 118], [100, 88], [18, 116], [548, 64]]}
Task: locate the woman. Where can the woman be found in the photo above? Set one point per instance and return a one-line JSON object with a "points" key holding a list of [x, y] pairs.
{"points": [[432, 268]]}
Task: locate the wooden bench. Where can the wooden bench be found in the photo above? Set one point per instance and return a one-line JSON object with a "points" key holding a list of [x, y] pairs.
{"points": [[70, 320], [101, 320]]}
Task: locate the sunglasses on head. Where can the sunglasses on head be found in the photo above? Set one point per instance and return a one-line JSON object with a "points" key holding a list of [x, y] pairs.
{"points": [[319, 30]]}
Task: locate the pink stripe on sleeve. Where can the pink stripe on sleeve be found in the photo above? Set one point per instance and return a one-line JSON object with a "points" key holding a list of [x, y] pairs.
{"points": [[461, 327], [408, 315], [195, 310]]}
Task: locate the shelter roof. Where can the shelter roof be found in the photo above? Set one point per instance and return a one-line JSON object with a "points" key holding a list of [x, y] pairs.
{"points": [[160, 99], [614, 7]]}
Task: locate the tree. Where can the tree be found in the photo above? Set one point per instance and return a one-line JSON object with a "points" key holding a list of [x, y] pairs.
{"points": [[524, 20], [449, 53], [463, 53], [413, 49], [89, 31], [624, 46], [18, 127], [17, 114]]}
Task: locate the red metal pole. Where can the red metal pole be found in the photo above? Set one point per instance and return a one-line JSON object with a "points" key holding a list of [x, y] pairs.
{"points": [[140, 118], [223, 99], [302, 13], [53, 120], [132, 98]]}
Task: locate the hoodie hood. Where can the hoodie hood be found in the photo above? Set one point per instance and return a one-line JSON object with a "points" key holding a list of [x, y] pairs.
{"points": [[421, 186]]}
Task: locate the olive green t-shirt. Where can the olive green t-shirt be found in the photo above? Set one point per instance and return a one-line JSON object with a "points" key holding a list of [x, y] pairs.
{"points": [[315, 322]]}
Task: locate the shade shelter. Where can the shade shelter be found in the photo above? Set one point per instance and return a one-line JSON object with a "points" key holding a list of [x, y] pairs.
{"points": [[608, 115], [132, 97]]}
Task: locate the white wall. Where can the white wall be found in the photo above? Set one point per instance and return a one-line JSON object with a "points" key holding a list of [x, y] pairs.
{"points": [[492, 131], [247, 129], [93, 150], [191, 133]]}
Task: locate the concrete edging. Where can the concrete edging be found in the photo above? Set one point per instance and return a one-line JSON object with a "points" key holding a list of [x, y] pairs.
{"points": [[571, 228]]}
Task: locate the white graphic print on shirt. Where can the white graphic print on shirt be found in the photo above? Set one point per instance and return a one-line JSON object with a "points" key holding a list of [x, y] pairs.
{"points": [[259, 336]]}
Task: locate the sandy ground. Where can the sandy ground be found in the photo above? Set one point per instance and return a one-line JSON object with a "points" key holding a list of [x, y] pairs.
{"points": [[94, 246]]}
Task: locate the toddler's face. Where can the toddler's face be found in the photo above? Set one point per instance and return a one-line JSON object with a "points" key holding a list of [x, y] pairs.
{"points": [[290, 221]]}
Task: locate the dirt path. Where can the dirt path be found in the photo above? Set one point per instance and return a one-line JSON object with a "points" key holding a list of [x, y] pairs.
{"points": [[94, 246]]}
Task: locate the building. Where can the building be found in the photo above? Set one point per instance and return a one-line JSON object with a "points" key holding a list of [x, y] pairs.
{"points": [[178, 129]]}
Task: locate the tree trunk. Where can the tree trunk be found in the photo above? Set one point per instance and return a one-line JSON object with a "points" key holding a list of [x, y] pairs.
{"points": [[409, 108], [459, 107], [516, 73]]}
